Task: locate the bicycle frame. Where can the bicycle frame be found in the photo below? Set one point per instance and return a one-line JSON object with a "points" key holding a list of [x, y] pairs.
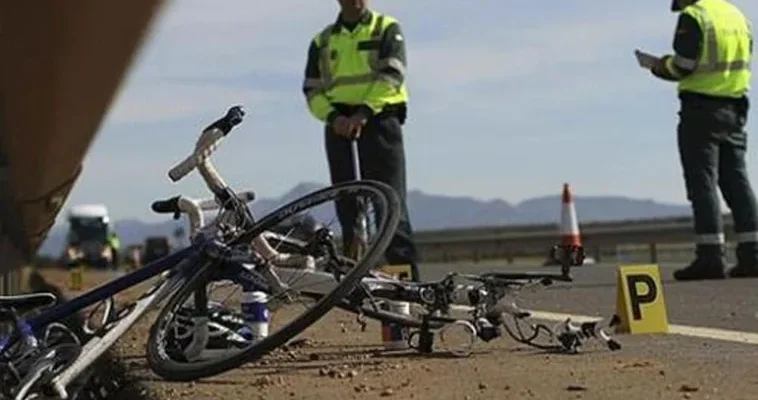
{"points": [[181, 262], [73, 306], [439, 298], [319, 283], [116, 322]]}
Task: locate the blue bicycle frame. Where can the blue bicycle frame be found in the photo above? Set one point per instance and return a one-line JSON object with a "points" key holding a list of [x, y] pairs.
{"points": [[64, 310], [152, 269]]}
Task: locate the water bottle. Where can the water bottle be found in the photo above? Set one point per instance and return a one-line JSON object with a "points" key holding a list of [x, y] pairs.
{"points": [[394, 335], [256, 314]]}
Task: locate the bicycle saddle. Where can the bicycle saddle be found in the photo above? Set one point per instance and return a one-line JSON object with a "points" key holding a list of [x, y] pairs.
{"points": [[23, 303]]}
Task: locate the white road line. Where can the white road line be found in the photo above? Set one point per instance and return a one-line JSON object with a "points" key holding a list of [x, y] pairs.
{"points": [[684, 330]]}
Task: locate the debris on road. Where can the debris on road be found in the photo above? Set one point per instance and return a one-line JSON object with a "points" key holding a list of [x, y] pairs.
{"points": [[688, 388], [576, 388]]}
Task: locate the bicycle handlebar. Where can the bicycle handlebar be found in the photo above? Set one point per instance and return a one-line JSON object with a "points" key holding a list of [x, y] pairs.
{"points": [[193, 208], [205, 146]]}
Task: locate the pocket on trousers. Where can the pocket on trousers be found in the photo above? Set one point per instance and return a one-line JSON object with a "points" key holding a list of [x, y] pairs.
{"points": [[391, 129]]}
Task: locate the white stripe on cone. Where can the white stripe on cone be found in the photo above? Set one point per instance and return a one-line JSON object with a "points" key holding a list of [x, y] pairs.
{"points": [[569, 224]]}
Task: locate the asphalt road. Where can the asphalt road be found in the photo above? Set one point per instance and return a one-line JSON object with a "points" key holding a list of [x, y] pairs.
{"points": [[725, 304]]}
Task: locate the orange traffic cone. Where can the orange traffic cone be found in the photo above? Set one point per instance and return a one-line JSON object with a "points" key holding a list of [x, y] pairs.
{"points": [[569, 224]]}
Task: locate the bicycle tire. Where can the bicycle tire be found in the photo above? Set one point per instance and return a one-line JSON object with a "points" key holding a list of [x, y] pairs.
{"points": [[171, 370]]}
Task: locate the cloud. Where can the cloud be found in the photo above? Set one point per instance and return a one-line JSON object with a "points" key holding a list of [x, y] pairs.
{"points": [[152, 101], [504, 96], [508, 54], [489, 55]]}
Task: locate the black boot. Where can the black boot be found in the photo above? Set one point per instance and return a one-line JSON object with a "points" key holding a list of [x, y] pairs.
{"points": [[747, 261], [709, 264]]}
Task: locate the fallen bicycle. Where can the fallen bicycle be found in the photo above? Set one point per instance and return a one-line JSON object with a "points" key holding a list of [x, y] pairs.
{"points": [[42, 358], [487, 300]]}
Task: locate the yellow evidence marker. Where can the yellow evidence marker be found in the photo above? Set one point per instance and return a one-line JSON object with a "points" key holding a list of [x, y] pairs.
{"points": [[639, 300]]}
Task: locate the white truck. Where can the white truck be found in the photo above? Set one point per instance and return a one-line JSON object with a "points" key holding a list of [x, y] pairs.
{"points": [[88, 236]]}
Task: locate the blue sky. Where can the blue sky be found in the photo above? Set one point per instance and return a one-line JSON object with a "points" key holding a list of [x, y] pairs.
{"points": [[508, 100]]}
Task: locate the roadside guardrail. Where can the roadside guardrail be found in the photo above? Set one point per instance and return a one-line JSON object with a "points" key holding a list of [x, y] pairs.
{"points": [[602, 240]]}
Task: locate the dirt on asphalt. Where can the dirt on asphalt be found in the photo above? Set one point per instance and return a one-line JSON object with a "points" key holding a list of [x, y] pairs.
{"points": [[334, 359]]}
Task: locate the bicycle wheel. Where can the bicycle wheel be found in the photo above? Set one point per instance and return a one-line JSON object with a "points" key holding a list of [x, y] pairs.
{"points": [[166, 344]]}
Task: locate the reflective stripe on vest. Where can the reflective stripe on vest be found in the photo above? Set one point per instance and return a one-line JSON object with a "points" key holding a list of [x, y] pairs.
{"points": [[712, 74], [710, 238], [747, 237], [328, 82]]}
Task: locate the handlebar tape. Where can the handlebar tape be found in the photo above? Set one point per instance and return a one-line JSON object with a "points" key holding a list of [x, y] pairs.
{"points": [[206, 145], [208, 142]]}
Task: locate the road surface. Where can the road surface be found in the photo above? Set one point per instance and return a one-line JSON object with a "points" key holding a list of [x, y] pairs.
{"points": [[342, 362], [729, 304]]}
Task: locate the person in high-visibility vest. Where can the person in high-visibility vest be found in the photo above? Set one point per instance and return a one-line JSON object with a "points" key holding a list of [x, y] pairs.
{"points": [[713, 47], [355, 84], [115, 244]]}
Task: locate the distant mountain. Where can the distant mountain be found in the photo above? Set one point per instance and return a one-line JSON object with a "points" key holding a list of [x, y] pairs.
{"points": [[428, 212]]}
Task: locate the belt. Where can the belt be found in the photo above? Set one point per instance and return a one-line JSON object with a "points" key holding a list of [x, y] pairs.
{"points": [[687, 96], [389, 110]]}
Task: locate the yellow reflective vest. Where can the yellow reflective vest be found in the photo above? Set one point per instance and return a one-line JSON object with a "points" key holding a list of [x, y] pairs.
{"points": [[351, 71], [114, 241], [723, 66]]}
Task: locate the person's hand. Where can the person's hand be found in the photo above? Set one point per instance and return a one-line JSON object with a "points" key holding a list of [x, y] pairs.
{"points": [[354, 126], [350, 127], [340, 126]]}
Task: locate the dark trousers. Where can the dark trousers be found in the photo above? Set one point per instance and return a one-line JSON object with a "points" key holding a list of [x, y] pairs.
{"points": [[712, 146], [382, 158]]}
